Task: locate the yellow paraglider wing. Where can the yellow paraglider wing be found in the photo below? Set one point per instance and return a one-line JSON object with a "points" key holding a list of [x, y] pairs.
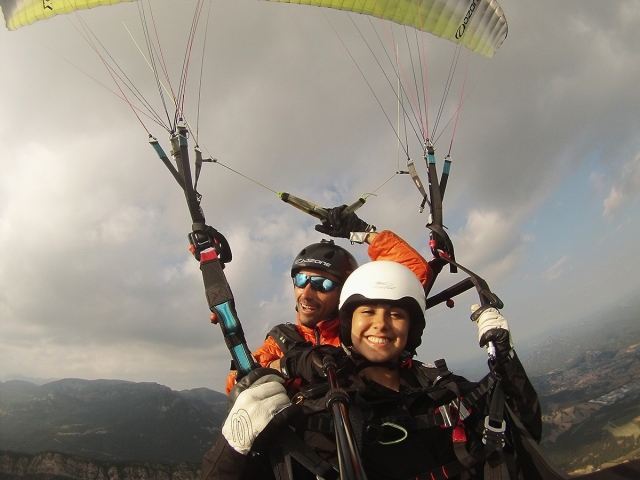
{"points": [[18, 13], [478, 25]]}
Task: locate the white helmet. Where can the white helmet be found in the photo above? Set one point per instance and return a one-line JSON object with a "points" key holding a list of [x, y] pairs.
{"points": [[389, 282]]}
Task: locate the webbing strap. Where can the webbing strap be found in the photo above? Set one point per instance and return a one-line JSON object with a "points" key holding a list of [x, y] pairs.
{"points": [[294, 446], [442, 473], [180, 152], [495, 468], [437, 419], [281, 464], [211, 249], [220, 300], [530, 457], [319, 423], [443, 370], [216, 288], [418, 183], [286, 336], [483, 387]]}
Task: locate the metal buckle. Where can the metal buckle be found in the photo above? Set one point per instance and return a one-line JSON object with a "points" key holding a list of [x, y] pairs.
{"points": [[464, 413], [493, 434], [446, 415], [449, 410]]}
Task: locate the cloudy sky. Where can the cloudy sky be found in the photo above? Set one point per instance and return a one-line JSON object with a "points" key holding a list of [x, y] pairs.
{"points": [[95, 277]]}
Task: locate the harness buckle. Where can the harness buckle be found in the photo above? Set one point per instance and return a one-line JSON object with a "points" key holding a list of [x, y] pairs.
{"points": [[492, 434], [445, 411], [463, 412], [199, 241], [453, 408]]}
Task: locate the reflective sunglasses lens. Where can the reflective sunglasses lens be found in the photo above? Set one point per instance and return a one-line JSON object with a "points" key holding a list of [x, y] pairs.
{"points": [[322, 284], [319, 284], [300, 280]]}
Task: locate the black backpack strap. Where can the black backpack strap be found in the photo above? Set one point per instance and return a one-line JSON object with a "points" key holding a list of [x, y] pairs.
{"points": [[286, 336]]}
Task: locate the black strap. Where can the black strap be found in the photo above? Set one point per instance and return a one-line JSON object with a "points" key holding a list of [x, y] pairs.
{"points": [[530, 457], [286, 336], [212, 250], [281, 464], [320, 423], [294, 446], [442, 473], [443, 371], [495, 468], [418, 183]]}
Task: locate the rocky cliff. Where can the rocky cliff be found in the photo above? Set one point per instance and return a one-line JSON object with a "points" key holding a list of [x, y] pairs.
{"points": [[58, 466]]}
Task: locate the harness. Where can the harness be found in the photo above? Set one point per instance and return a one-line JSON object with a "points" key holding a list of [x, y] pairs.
{"points": [[290, 445], [494, 440], [287, 336], [454, 401]]}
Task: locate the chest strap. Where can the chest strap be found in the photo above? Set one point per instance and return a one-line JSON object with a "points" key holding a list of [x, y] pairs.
{"points": [[444, 416]]}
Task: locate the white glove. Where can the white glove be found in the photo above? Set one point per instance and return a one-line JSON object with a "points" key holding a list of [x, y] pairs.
{"points": [[491, 328], [253, 409]]}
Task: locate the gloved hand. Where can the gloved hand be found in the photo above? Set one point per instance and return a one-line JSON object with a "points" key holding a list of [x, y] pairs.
{"points": [[493, 327], [258, 400], [306, 362], [336, 226]]}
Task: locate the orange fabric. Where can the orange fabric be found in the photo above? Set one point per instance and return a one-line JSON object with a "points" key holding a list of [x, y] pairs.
{"points": [[385, 246], [329, 331], [329, 335], [389, 246]]}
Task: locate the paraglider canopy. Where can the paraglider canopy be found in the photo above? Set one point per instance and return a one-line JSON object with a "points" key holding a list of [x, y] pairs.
{"points": [[478, 25], [19, 13]]}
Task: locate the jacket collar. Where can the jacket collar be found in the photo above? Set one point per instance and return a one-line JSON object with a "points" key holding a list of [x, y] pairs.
{"points": [[328, 329]]}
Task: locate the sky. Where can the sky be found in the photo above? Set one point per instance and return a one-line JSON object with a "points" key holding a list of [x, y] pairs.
{"points": [[96, 280]]}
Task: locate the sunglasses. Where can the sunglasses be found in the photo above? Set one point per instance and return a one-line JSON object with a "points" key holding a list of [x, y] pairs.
{"points": [[320, 284]]}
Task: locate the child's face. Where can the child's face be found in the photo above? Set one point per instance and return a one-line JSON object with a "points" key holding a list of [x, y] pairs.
{"points": [[379, 331]]}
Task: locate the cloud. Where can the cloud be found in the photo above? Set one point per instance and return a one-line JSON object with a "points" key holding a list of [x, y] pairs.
{"points": [[556, 270], [625, 190], [492, 243]]}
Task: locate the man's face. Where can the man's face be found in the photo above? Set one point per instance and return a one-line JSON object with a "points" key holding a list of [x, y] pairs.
{"points": [[315, 306]]}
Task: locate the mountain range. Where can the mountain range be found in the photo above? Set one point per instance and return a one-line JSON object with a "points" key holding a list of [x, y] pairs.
{"points": [[110, 419], [588, 379]]}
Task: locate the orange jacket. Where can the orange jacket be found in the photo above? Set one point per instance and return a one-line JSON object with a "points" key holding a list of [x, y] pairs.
{"points": [[385, 246]]}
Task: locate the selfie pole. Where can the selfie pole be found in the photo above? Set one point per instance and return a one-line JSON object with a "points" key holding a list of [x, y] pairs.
{"points": [[337, 402]]}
